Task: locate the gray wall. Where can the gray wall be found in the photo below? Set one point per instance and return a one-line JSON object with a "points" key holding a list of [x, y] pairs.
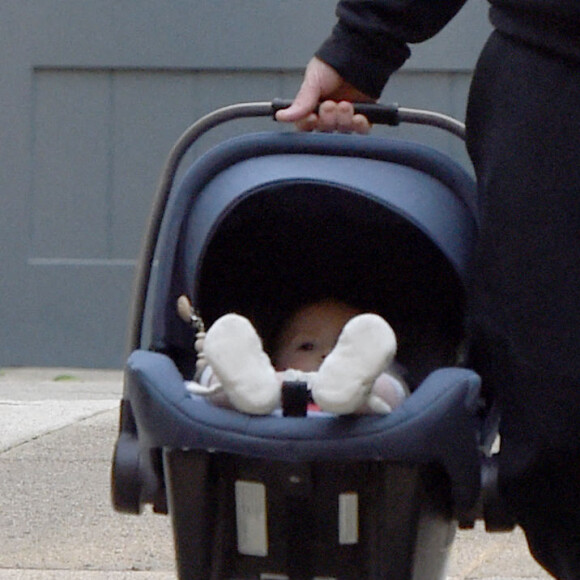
{"points": [[93, 94]]}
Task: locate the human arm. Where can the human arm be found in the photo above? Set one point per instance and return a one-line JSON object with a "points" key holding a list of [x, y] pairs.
{"points": [[366, 46]]}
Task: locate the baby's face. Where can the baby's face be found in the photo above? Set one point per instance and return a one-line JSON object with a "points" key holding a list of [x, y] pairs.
{"points": [[310, 335]]}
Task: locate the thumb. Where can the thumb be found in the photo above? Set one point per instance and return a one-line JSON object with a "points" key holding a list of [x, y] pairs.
{"points": [[305, 102], [320, 80]]}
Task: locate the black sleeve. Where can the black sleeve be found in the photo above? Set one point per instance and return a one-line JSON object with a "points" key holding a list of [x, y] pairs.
{"points": [[370, 39]]}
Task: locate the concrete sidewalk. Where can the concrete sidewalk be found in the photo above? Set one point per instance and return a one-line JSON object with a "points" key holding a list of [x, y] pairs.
{"points": [[57, 431]]}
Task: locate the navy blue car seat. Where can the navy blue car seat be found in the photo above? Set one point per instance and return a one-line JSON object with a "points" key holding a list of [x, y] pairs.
{"points": [[258, 225]]}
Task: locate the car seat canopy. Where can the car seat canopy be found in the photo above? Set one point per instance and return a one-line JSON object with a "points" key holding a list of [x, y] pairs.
{"points": [[274, 230]]}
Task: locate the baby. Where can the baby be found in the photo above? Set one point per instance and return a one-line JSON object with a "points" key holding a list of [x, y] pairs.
{"points": [[343, 355]]}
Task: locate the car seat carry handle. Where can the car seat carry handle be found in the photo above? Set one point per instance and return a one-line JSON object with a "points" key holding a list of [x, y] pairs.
{"points": [[379, 114], [376, 114], [394, 115]]}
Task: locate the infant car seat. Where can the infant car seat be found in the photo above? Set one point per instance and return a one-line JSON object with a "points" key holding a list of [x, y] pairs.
{"points": [[258, 225]]}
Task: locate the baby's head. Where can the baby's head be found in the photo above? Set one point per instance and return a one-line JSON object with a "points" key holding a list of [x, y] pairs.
{"points": [[310, 334]]}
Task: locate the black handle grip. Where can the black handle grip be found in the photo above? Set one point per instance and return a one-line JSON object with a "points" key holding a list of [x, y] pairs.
{"points": [[376, 114]]}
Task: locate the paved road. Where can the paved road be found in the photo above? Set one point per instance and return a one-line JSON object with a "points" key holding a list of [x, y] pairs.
{"points": [[57, 430]]}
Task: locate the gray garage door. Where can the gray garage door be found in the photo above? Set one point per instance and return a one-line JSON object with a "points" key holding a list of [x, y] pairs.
{"points": [[93, 95]]}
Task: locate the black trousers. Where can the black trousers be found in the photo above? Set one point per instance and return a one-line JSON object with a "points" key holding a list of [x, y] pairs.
{"points": [[523, 125]]}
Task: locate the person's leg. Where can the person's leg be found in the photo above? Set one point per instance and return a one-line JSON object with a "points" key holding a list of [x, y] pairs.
{"points": [[541, 483], [523, 138]]}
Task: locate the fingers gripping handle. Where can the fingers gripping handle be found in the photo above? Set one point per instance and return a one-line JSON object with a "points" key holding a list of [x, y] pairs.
{"points": [[394, 115], [376, 114]]}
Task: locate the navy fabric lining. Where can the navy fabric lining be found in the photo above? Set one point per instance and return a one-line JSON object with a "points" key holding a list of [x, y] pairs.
{"points": [[441, 415]]}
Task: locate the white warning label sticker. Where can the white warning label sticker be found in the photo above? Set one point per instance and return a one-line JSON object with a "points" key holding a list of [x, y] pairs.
{"points": [[251, 518], [348, 518]]}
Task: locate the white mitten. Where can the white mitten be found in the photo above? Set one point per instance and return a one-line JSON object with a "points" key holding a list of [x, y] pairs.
{"points": [[365, 348], [234, 351]]}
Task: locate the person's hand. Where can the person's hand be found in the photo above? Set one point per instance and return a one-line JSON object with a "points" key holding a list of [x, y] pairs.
{"points": [[333, 117], [321, 81]]}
